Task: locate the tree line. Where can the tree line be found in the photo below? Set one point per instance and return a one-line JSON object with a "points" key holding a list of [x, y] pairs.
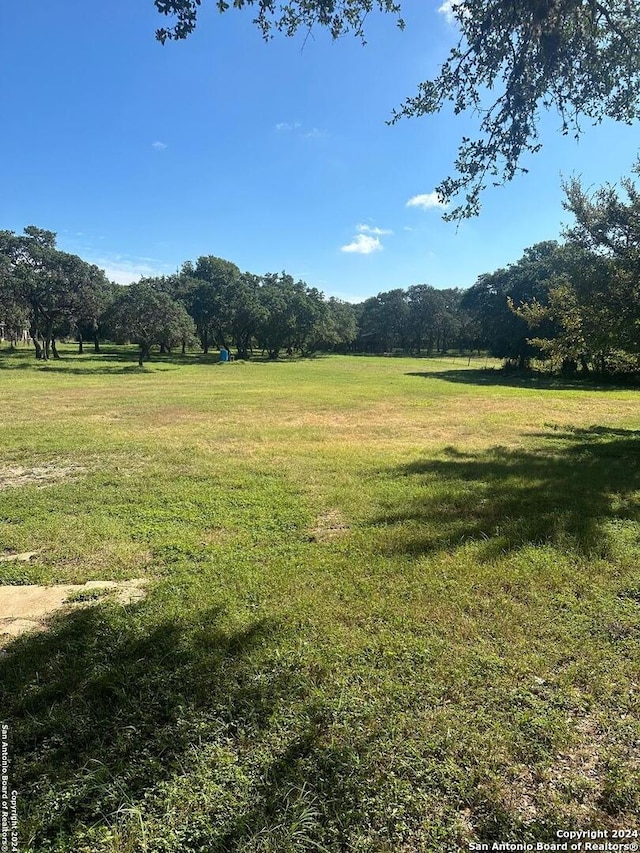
{"points": [[573, 305], [56, 295]]}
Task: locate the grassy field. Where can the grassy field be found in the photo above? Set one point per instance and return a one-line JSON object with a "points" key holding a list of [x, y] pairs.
{"points": [[394, 604]]}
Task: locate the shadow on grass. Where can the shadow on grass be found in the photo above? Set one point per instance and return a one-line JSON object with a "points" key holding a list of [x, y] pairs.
{"points": [[99, 710], [132, 368], [111, 360], [528, 379], [563, 493], [126, 359], [104, 710]]}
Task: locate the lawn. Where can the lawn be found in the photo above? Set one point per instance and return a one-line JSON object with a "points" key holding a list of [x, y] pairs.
{"points": [[394, 604]]}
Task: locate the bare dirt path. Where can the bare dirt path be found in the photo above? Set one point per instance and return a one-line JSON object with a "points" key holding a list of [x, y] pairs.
{"points": [[25, 608]]}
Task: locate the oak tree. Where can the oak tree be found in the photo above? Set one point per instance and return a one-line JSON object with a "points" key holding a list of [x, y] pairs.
{"points": [[512, 59]]}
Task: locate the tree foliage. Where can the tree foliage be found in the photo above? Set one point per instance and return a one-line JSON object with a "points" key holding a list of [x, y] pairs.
{"points": [[595, 298], [145, 314], [512, 58], [53, 291], [573, 305], [207, 290], [495, 299]]}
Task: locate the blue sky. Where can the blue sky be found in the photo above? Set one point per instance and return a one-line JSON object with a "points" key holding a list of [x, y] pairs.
{"points": [[275, 156]]}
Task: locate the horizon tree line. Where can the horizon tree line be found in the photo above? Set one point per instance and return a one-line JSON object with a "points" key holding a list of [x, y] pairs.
{"points": [[572, 305]]}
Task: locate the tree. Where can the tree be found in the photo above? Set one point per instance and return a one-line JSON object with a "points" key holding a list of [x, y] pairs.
{"points": [[13, 313], [89, 324], [146, 315], [453, 322], [425, 310], [338, 328], [605, 222], [55, 290], [278, 328], [246, 313], [594, 300], [608, 225], [384, 322], [492, 300], [513, 58], [207, 293], [310, 318]]}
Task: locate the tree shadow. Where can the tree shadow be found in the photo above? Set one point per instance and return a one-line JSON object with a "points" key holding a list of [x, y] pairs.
{"points": [[104, 710], [563, 494], [91, 362], [105, 370], [528, 379], [16, 359]]}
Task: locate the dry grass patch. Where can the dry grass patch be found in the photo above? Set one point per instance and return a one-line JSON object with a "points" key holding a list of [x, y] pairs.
{"points": [[328, 525], [13, 476]]}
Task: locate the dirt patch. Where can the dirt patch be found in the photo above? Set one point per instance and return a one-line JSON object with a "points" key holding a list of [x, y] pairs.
{"points": [[328, 525], [42, 475], [575, 781], [25, 608], [23, 558]]}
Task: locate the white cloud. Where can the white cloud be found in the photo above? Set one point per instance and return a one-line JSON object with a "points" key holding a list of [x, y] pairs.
{"points": [[370, 229], [159, 146], [426, 201], [447, 10], [125, 270], [344, 296], [297, 128], [363, 244], [452, 9]]}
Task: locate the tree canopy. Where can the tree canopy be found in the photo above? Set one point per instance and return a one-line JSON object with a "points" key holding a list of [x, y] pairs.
{"points": [[145, 314], [572, 305], [50, 290], [512, 58]]}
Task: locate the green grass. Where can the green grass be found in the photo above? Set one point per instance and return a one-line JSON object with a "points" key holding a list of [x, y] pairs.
{"points": [[394, 604]]}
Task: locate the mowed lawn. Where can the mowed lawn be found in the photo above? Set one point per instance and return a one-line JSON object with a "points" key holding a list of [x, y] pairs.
{"points": [[393, 604]]}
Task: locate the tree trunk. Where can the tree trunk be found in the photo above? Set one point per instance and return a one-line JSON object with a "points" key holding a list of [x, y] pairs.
{"points": [[80, 349], [33, 332], [54, 349], [96, 343], [46, 340]]}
